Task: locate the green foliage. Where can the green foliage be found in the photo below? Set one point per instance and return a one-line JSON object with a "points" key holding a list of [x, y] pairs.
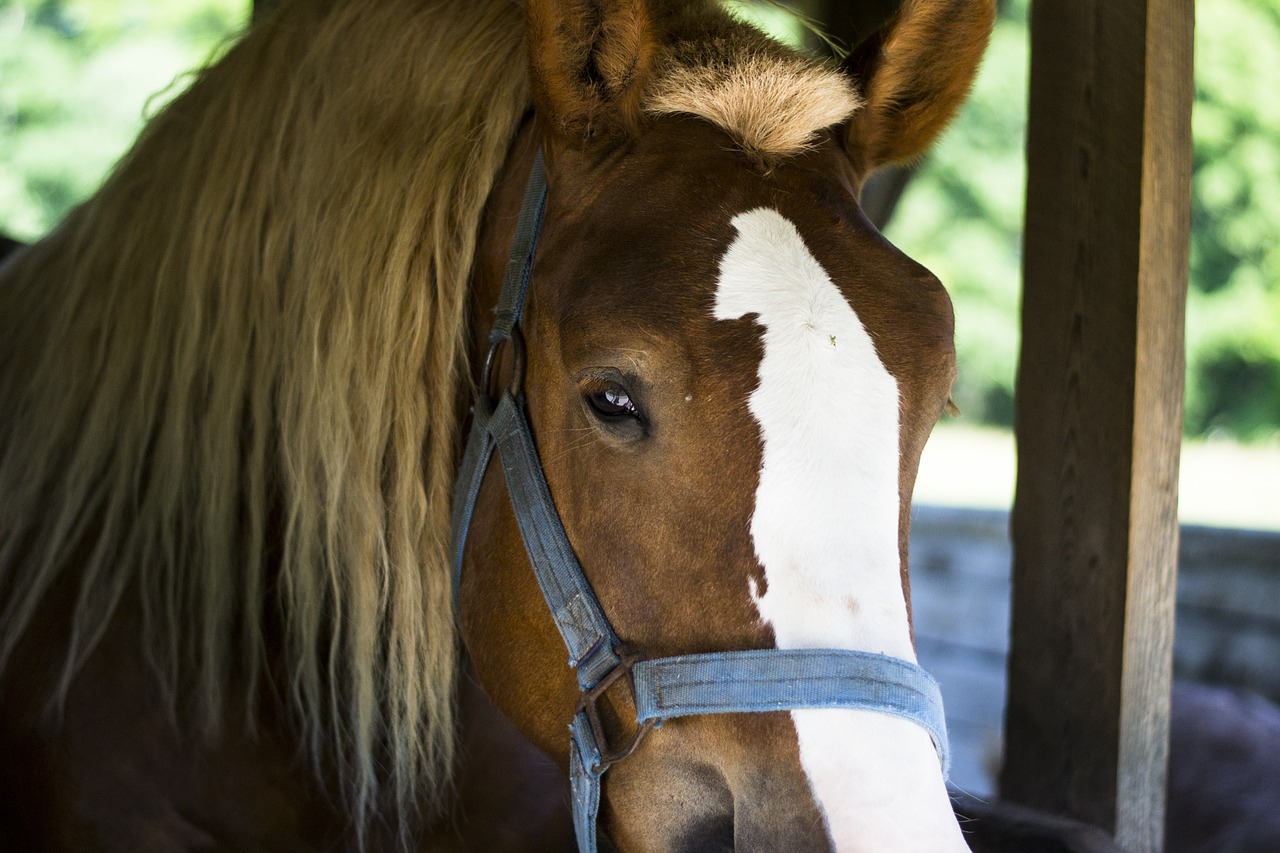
{"points": [[1233, 311], [962, 217], [77, 78], [781, 22]]}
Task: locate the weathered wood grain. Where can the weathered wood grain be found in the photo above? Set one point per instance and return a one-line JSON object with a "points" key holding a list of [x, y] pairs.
{"points": [[1099, 412]]}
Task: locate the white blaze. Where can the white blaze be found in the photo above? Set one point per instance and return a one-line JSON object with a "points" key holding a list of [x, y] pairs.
{"points": [[825, 530]]}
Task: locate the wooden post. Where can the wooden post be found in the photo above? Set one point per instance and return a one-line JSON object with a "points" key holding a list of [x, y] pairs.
{"points": [[1100, 412]]}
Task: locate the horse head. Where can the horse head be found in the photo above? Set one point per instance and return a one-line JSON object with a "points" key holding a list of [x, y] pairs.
{"points": [[224, 539], [729, 376]]}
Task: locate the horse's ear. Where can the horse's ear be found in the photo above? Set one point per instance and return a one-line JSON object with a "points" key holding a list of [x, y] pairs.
{"points": [[589, 60], [914, 73]]}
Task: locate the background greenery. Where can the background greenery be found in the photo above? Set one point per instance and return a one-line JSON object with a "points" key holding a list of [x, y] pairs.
{"points": [[962, 217], [77, 79]]}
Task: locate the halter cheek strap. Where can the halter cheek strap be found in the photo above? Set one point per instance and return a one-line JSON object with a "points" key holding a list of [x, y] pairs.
{"points": [[663, 688]]}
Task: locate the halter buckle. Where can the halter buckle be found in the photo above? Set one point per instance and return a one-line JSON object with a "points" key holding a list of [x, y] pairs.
{"points": [[587, 703], [516, 338]]}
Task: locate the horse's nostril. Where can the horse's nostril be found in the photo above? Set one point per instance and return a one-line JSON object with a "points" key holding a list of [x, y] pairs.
{"points": [[711, 834], [707, 813]]}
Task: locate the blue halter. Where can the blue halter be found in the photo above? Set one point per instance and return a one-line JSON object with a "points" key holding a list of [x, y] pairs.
{"points": [[719, 683]]}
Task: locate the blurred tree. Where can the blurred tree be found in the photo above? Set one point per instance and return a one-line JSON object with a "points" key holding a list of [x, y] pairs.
{"points": [[1233, 312], [962, 217], [77, 79]]}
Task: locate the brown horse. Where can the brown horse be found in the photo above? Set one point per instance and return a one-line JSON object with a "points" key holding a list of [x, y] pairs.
{"points": [[235, 383]]}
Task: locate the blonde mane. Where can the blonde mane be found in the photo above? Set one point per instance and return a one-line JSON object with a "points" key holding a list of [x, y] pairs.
{"points": [[231, 378]]}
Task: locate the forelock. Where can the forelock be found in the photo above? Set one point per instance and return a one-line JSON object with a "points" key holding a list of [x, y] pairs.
{"points": [[771, 100]]}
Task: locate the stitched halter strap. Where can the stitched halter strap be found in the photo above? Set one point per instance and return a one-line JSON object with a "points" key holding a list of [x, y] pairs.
{"points": [[663, 688]]}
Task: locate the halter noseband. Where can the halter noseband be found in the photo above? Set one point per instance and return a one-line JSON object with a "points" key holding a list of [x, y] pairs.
{"points": [[718, 683]]}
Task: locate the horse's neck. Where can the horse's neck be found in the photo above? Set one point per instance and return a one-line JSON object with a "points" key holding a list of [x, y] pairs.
{"points": [[113, 764], [117, 764]]}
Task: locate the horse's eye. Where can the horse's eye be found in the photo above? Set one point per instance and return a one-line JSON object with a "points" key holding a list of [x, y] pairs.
{"points": [[613, 401]]}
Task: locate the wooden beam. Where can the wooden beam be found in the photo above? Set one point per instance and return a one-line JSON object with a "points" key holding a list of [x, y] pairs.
{"points": [[1099, 412]]}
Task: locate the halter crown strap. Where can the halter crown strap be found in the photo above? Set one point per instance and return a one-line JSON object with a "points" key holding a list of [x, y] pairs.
{"points": [[664, 688], [503, 426]]}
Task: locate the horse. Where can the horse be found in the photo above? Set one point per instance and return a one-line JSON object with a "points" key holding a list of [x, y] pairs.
{"points": [[1224, 751], [238, 378]]}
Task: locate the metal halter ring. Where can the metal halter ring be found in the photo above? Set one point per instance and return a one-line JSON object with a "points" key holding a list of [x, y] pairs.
{"points": [[516, 338], [587, 703]]}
